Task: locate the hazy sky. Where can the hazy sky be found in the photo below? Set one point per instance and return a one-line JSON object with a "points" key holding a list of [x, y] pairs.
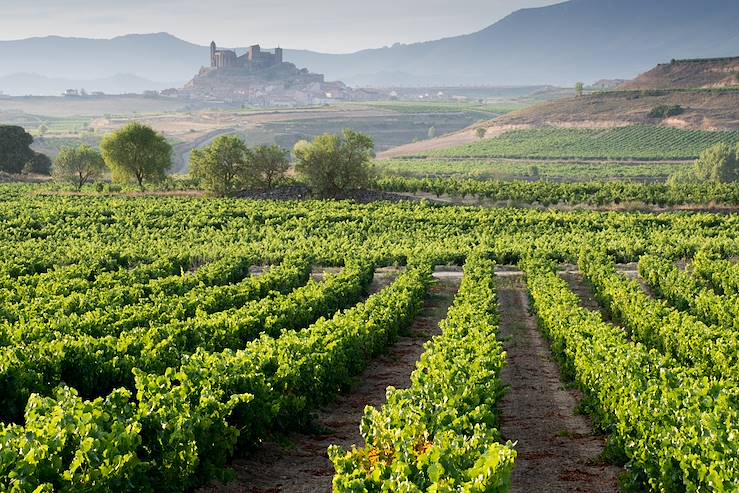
{"points": [[325, 25]]}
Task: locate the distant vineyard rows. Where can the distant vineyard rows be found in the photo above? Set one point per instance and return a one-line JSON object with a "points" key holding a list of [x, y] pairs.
{"points": [[645, 142]]}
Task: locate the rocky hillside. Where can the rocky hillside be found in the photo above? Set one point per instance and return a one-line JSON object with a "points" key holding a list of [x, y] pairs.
{"points": [[686, 74]]}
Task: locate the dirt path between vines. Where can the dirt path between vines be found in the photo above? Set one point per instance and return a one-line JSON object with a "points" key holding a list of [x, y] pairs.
{"points": [[299, 463], [557, 449]]}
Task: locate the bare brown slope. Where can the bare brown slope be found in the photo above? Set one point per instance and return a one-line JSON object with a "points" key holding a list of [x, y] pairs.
{"points": [[685, 74]]}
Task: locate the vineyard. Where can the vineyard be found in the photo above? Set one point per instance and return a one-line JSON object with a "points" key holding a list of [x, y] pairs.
{"points": [[545, 193], [151, 343], [487, 169], [635, 142]]}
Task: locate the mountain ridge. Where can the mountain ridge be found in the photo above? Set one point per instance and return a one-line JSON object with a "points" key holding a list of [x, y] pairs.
{"points": [[558, 44]]}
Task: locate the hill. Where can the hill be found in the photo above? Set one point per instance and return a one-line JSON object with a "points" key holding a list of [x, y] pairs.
{"points": [[157, 57], [696, 73], [559, 44], [701, 110]]}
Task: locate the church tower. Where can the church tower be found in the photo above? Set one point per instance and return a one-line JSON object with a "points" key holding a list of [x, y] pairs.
{"points": [[212, 53]]}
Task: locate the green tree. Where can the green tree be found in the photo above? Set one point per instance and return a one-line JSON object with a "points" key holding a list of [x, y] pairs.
{"points": [[137, 152], [78, 165], [222, 167], [480, 132], [718, 164], [269, 163], [333, 164], [15, 150], [39, 164], [579, 88]]}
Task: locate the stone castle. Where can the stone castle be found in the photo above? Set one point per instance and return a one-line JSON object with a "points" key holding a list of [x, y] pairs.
{"points": [[254, 57], [260, 78]]}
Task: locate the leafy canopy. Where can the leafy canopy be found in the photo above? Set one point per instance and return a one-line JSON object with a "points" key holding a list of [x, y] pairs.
{"points": [[333, 164], [78, 165], [136, 152], [269, 163], [222, 167], [15, 149], [717, 164]]}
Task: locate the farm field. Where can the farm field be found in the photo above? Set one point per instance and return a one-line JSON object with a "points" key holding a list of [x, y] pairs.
{"points": [[635, 142], [530, 169], [149, 343], [556, 195], [390, 124]]}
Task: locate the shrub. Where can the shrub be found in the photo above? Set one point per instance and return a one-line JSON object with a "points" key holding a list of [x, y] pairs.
{"points": [[333, 164], [718, 164], [664, 111], [78, 165]]}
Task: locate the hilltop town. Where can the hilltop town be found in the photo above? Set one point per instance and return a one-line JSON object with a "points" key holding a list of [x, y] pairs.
{"points": [[262, 78]]}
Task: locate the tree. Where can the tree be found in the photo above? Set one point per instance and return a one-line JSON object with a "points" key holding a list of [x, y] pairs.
{"points": [[15, 150], [269, 163], [224, 166], [432, 132], [333, 164], [718, 164], [39, 164], [78, 165], [137, 152], [480, 132], [579, 87]]}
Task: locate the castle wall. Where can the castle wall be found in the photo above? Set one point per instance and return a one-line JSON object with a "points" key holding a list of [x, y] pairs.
{"points": [[254, 55]]}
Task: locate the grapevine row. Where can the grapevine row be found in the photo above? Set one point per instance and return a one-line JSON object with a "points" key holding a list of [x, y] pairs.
{"points": [[119, 291], [184, 424], [439, 434], [685, 293], [722, 275], [631, 142], [93, 366], [158, 306], [674, 427], [711, 349], [549, 193]]}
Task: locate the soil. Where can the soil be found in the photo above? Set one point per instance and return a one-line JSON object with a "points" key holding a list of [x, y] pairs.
{"points": [[557, 448], [631, 271], [318, 273], [465, 136], [582, 288], [299, 462]]}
